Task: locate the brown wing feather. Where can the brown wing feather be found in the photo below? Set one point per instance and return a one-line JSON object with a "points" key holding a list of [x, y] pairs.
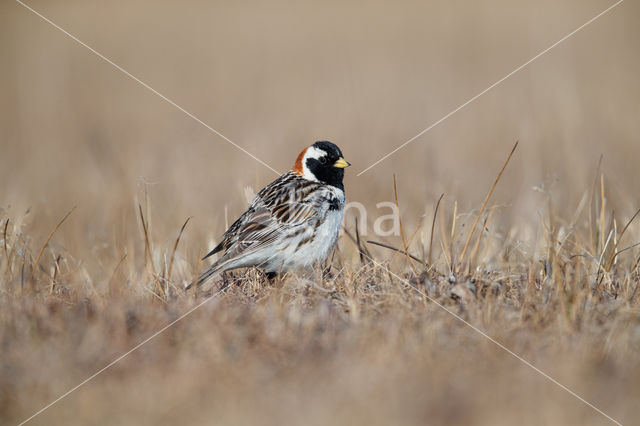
{"points": [[282, 204]]}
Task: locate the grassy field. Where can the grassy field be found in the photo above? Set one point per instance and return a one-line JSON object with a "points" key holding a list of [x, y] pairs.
{"points": [[98, 175]]}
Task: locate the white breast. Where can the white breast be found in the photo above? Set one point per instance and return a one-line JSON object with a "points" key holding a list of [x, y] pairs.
{"points": [[296, 253]]}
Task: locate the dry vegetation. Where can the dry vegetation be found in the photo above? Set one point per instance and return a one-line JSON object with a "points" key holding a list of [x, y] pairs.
{"points": [[550, 270], [360, 343]]}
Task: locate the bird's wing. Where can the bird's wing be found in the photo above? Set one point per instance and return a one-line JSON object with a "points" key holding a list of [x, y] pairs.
{"points": [[286, 203]]}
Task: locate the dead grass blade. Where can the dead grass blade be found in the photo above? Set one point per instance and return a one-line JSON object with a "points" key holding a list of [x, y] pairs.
{"points": [[358, 241], [362, 249], [410, 240], [413, 235], [396, 250], [175, 247], [56, 269], [602, 213], [627, 248], [433, 225], [591, 197], [604, 248], [484, 205], [615, 253], [6, 251], [35, 264], [404, 239], [574, 221], [453, 223], [148, 251], [452, 234], [113, 274], [445, 244], [474, 253]]}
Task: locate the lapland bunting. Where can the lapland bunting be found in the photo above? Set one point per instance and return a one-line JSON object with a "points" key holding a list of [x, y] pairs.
{"points": [[293, 222]]}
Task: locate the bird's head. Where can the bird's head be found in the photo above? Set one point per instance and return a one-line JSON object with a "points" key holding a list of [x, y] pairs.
{"points": [[321, 162]]}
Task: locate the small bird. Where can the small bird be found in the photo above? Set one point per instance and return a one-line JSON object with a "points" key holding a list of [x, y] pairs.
{"points": [[293, 222]]}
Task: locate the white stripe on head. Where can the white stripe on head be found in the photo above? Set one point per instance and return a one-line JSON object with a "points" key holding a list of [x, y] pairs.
{"points": [[312, 152]]}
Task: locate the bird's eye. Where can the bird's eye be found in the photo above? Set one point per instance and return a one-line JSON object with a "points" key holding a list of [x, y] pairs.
{"points": [[323, 160]]}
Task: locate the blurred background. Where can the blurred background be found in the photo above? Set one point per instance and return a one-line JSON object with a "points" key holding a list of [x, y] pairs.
{"points": [[274, 77]]}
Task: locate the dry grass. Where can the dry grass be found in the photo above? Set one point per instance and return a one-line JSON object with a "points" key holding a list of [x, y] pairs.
{"points": [[546, 265], [362, 344]]}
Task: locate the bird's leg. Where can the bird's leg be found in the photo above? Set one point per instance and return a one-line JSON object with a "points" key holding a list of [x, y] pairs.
{"points": [[326, 272]]}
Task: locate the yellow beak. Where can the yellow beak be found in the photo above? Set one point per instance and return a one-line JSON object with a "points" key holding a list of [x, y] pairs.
{"points": [[341, 163]]}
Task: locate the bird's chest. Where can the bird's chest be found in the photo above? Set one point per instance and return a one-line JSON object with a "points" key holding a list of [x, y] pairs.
{"points": [[328, 224], [330, 211], [321, 234]]}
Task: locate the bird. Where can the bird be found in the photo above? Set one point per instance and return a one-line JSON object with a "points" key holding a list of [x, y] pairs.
{"points": [[293, 222]]}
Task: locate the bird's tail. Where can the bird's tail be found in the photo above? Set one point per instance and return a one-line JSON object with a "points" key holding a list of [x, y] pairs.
{"points": [[204, 277]]}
